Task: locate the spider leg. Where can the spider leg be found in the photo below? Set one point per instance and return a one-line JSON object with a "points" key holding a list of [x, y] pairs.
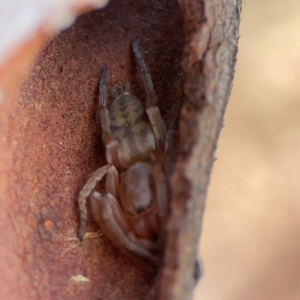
{"points": [[152, 110], [145, 75], [84, 193], [112, 181], [158, 126], [108, 212], [104, 112], [162, 191]]}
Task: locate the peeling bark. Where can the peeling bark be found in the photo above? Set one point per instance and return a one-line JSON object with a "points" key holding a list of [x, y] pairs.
{"points": [[211, 31], [51, 143]]}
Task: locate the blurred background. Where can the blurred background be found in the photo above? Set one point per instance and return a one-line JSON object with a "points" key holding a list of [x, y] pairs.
{"points": [[250, 244]]}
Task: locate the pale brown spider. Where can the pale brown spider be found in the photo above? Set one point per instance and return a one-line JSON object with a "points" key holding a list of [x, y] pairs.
{"points": [[134, 208]]}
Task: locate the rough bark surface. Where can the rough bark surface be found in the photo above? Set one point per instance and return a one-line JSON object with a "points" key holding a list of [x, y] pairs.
{"points": [[51, 143], [211, 31]]}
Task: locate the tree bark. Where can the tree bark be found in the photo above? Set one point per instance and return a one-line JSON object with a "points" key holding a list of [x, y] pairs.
{"points": [[211, 35], [50, 143]]}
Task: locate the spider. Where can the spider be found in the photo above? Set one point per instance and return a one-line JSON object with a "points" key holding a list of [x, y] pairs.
{"points": [[134, 208]]}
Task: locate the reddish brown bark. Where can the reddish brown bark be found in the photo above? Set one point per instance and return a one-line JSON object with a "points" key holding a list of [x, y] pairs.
{"points": [[51, 143]]}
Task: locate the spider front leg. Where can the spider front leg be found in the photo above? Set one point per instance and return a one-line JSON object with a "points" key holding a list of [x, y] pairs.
{"points": [[152, 110], [104, 112], [158, 126], [145, 75]]}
